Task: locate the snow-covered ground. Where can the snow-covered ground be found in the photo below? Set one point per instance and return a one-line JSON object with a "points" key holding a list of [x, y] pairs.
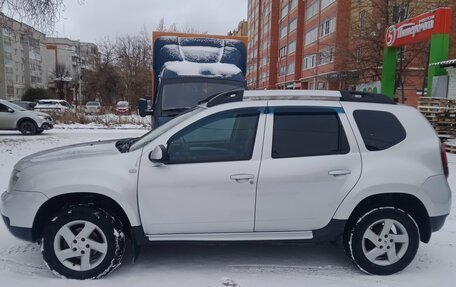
{"points": [[202, 265]]}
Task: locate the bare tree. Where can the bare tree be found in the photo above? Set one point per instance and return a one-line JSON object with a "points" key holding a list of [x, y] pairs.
{"points": [[134, 54], [103, 82], [39, 13], [61, 79]]}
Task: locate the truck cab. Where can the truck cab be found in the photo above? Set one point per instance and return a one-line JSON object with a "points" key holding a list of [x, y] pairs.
{"points": [[187, 70]]}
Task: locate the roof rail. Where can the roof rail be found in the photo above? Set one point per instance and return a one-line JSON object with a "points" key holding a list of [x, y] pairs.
{"points": [[235, 95], [364, 97]]}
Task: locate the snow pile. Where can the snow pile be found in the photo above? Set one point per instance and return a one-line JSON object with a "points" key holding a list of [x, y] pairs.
{"points": [[186, 68], [92, 126]]}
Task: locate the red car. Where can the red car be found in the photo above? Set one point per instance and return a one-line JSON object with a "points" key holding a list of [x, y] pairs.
{"points": [[122, 108]]}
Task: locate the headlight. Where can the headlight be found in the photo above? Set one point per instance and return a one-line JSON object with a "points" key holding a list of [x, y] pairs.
{"points": [[45, 118], [13, 179]]}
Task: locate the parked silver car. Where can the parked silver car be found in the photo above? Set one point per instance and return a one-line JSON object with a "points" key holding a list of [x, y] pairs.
{"points": [[93, 107], [259, 165], [14, 117]]}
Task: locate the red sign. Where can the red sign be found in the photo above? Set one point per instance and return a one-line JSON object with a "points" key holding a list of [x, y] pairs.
{"points": [[419, 28]]}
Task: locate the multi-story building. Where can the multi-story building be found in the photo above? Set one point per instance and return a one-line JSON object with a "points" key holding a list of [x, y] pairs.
{"points": [[21, 63], [292, 43], [263, 44], [327, 44], [241, 30], [65, 60]]}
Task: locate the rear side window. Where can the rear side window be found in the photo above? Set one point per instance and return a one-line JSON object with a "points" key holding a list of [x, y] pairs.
{"points": [[379, 130], [301, 132]]}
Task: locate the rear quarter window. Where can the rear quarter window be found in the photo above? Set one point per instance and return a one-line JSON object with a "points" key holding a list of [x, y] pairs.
{"points": [[380, 130]]}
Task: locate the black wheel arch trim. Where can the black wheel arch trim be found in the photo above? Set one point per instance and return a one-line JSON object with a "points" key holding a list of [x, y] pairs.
{"points": [[20, 121]]}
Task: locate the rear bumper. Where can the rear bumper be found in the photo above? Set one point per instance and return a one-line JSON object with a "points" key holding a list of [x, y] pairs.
{"points": [[437, 222], [23, 233]]}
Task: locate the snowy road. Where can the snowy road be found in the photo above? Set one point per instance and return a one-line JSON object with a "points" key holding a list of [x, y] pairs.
{"points": [[206, 264]]}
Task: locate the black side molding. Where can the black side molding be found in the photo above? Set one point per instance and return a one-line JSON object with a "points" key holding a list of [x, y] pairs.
{"points": [[331, 231], [19, 232]]}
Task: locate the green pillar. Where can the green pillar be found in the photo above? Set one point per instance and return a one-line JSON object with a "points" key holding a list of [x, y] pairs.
{"points": [[440, 45], [389, 71]]}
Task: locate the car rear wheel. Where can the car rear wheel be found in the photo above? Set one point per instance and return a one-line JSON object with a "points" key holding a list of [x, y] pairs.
{"points": [[383, 241], [83, 242], [28, 128]]}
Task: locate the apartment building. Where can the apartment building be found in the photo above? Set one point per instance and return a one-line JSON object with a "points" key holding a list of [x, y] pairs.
{"points": [[293, 43], [66, 59], [262, 55], [242, 29], [334, 44], [21, 63]]}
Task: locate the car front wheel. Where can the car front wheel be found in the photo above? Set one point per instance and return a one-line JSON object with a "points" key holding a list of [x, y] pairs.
{"points": [[383, 241], [27, 128], [83, 242]]}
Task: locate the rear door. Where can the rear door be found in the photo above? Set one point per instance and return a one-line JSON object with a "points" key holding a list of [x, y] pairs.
{"points": [[310, 162]]}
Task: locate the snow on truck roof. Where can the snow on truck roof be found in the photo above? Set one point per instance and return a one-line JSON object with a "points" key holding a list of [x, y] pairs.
{"points": [[186, 69]]}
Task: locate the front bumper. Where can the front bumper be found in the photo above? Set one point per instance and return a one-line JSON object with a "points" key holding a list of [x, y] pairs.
{"points": [[18, 209], [23, 233], [46, 126]]}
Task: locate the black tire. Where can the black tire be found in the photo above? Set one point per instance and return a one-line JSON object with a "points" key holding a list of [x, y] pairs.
{"points": [[28, 128], [353, 241], [107, 223]]}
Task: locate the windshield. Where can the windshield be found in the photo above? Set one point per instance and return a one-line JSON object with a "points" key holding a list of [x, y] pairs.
{"points": [[187, 95], [15, 107], [93, 104], [155, 133], [122, 104]]}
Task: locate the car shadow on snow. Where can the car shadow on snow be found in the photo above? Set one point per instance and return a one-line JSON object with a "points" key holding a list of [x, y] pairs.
{"points": [[250, 257]]}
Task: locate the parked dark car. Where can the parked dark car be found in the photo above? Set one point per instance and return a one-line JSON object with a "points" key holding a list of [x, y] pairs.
{"points": [[25, 104]]}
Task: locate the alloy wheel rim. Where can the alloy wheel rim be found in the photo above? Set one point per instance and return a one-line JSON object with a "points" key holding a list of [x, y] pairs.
{"points": [[80, 245], [385, 242]]}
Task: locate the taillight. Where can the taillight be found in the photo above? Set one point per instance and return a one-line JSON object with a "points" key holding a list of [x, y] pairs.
{"points": [[444, 160]]}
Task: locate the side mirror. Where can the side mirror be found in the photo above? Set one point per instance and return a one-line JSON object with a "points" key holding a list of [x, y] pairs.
{"points": [[159, 154], [10, 110], [142, 108]]}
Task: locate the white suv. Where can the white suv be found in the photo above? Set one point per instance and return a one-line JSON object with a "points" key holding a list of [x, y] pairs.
{"points": [[259, 165]]}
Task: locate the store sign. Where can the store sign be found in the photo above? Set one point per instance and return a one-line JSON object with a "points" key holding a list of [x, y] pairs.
{"points": [[419, 28]]}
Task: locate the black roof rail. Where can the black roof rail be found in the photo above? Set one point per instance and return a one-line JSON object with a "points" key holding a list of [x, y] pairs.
{"points": [[365, 97], [231, 96]]}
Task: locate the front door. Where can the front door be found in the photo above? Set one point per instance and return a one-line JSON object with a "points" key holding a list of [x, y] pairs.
{"points": [[310, 163], [209, 183], [7, 119]]}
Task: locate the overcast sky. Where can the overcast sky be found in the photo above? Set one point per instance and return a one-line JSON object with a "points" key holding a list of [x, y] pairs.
{"points": [[92, 20]]}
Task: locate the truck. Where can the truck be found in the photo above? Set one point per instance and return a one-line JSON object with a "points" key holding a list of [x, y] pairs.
{"points": [[188, 68]]}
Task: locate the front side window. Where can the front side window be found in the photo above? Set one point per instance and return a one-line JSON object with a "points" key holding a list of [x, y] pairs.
{"points": [[301, 132], [226, 136], [379, 130], [3, 108]]}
